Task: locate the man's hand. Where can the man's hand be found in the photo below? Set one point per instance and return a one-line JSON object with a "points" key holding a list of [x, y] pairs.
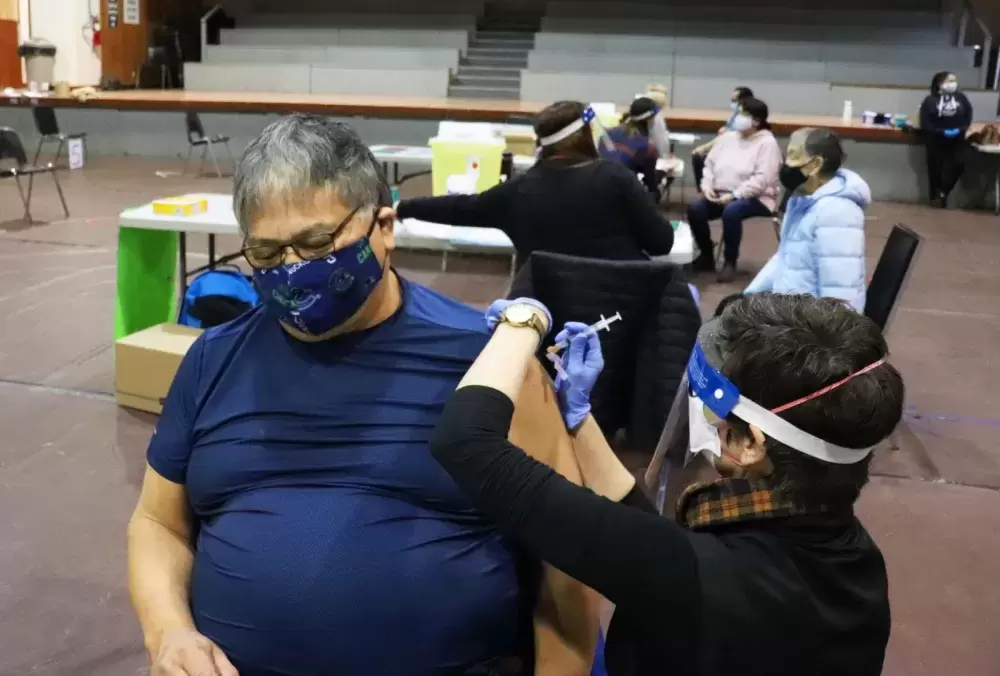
{"points": [[710, 194], [185, 652], [725, 199]]}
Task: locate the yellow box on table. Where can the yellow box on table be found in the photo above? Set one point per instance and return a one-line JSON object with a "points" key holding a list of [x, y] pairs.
{"points": [[180, 206], [146, 362]]}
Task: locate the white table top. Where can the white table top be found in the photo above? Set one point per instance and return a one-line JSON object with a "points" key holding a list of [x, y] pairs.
{"points": [[424, 155], [219, 219], [989, 150], [683, 139]]}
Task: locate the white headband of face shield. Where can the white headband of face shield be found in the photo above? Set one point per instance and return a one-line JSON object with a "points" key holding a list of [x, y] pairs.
{"points": [[710, 389], [586, 118]]}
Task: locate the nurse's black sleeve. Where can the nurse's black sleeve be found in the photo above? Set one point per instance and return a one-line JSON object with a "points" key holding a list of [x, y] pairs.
{"points": [[489, 209], [636, 559]]}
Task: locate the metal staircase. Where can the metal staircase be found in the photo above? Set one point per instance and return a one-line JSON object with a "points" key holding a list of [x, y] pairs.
{"points": [[491, 68]]}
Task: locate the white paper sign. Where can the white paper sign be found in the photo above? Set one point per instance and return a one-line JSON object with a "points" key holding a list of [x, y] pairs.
{"points": [[75, 149], [131, 13]]}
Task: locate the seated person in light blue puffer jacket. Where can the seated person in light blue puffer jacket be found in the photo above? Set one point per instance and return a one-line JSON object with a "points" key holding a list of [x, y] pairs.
{"points": [[822, 248]]}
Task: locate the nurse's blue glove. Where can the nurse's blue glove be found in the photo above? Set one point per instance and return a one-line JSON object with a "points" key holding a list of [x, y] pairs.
{"points": [[951, 133], [583, 363], [496, 309]]}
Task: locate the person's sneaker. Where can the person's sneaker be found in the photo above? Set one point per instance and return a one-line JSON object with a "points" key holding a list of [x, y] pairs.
{"points": [[704, 263], [727, 274]]}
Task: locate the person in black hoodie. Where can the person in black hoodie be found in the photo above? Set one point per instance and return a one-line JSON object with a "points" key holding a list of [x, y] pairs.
{"points": [[945, 118], [571, 202], [766, 571]]}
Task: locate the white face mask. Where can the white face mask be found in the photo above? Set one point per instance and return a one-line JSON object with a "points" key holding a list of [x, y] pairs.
{"points": [[949, 87], [742, 123], [703, 437]]}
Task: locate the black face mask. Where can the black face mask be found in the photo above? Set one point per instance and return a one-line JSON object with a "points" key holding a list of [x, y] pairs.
{"points": [[792, 178]]}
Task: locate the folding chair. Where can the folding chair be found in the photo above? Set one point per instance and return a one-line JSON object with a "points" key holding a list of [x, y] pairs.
{"points": [[48, 131], [11, 148], [888, 281], [197, 138], [891, 272]]}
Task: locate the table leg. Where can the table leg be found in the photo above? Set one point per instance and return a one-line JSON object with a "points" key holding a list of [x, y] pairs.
{"points": [[996, 192], [146, 292], [395, 173], [183, 263], [211, 251]]}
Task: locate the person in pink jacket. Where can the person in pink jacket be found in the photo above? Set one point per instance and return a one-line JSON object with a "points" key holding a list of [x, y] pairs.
{"points": [[740, 181]]}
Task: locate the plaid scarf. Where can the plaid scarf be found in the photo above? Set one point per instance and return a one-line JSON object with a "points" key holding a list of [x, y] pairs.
{"points": [[727, 501]]}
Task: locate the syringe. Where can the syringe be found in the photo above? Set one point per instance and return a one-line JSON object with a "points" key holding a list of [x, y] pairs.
{"points": [[602, 325], [557, 363]]}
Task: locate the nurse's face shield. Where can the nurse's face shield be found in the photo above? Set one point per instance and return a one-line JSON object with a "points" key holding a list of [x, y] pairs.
{"points": [[714, 397]]}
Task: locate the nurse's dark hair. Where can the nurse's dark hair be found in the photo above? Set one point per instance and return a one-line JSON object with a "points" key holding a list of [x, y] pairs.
{"points": [[779, 348], [576, 147], [825, 144], [743, 93], [938, 80], [639, 106]]}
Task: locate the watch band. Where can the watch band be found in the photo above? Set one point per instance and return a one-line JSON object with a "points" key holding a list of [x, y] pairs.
{"points": [[533, 318]]}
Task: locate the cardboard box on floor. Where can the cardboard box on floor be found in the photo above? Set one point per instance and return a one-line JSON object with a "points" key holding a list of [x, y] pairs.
{"points": [[145, 364]]}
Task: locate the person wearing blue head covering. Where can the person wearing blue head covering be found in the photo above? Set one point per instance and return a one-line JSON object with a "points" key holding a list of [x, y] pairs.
{"points": [[639, 141], [822, 246]]}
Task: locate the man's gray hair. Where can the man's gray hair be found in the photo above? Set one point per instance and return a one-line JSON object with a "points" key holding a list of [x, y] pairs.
{"points": [[302, 152]]}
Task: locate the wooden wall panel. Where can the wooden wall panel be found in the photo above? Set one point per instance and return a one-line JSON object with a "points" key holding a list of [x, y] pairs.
{"points": [[124, 46], [10, 64], [8, 10]]}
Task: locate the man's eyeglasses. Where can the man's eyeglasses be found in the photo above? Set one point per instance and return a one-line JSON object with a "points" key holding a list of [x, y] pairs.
{"points": [[307, 246]]}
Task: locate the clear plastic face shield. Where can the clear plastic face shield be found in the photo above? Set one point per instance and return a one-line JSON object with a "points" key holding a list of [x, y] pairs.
{"points": [[706, 398]]}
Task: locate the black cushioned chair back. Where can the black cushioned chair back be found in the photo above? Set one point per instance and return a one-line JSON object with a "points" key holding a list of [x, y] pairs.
{"points": [[890, 274], [583, 289]]}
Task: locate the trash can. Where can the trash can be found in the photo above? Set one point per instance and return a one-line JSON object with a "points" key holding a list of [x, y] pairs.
{"points": [[39, 61]]}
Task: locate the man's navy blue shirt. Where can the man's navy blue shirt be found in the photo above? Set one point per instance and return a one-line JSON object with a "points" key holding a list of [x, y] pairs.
{"points": [[329, 541]]}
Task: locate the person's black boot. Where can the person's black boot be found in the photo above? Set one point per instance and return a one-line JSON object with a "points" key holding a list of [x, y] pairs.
{"points": [[705, 262], [727, 274]]}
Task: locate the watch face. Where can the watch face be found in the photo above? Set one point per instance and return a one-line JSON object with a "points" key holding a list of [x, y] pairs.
{"points": [[519, 314]]}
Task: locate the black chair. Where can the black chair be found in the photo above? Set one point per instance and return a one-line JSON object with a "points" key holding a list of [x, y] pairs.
{"points": [[644, 355], [888, 281], [48, 132], [11, 148], [891, 272], [198, 139]]}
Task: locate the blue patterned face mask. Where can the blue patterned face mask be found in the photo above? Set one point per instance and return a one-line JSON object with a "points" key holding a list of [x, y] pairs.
{"points": [[316, 296]]}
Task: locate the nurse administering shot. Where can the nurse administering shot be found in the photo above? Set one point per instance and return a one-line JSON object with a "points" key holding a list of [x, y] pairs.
{"points": [[765, 570]]}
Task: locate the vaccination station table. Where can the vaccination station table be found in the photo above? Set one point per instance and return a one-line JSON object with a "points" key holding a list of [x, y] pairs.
{"points": [[152, 251]]}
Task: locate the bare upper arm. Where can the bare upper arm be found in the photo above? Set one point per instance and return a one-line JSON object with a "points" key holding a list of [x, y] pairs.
{"points": [[567, 614], [538, 428], [164, 502]]}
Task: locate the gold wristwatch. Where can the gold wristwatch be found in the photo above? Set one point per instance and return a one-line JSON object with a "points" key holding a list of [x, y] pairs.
{"points": [[520, 315]]}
